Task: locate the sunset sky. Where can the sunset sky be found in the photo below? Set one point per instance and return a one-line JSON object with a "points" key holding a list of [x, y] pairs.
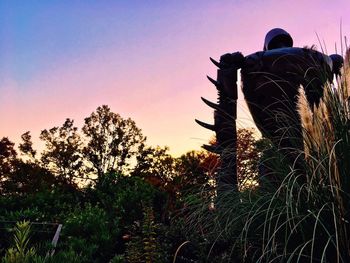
{"points": [[147, 60]]}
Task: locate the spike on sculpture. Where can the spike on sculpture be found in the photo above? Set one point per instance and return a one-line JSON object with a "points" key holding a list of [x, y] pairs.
{"points": [[271, 79]]}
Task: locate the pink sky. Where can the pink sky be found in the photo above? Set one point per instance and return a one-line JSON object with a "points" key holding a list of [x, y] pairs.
{"points": [[151, 67]]}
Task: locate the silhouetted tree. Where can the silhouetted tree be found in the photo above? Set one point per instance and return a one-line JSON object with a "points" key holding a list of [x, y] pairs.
{"points": [[155, 164], [20, 177], [29, 178], [112, 142], [163, 170], [8, 156], [194, 168], [26, 146], [63, 153], [189, 174]]}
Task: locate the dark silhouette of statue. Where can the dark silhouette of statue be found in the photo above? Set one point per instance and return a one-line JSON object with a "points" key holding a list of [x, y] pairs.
{"points": [[270, 82]]}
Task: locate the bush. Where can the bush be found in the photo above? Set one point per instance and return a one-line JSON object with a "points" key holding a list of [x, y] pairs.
{"points": [[89, 232]]}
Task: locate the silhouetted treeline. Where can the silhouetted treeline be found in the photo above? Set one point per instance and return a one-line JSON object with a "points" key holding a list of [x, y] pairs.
{"points": [[110, 190]]}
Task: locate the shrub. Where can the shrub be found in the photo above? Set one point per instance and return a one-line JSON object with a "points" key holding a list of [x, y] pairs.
{"points": [[20, 252], [88, 232]]}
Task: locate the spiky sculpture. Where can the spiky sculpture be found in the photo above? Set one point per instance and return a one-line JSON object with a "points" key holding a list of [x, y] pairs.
{"points": [[271, 79], [225, 114]]}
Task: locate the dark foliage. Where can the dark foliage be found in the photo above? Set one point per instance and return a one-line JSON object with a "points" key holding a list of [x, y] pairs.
{"points": [[118, 199]]}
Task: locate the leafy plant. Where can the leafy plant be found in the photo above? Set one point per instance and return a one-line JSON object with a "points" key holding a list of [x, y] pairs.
{"points": [[88, 232], [144, 245], [20, 252]]}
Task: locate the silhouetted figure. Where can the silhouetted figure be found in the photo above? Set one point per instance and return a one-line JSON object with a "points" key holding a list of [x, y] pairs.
{"points": [[271, 79]]}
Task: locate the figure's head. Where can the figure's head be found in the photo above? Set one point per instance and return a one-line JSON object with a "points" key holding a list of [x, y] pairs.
{"points": [[277, 38]]}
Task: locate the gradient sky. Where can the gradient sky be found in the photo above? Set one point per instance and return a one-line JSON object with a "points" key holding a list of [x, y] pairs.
{"points": [[147, 60]]}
